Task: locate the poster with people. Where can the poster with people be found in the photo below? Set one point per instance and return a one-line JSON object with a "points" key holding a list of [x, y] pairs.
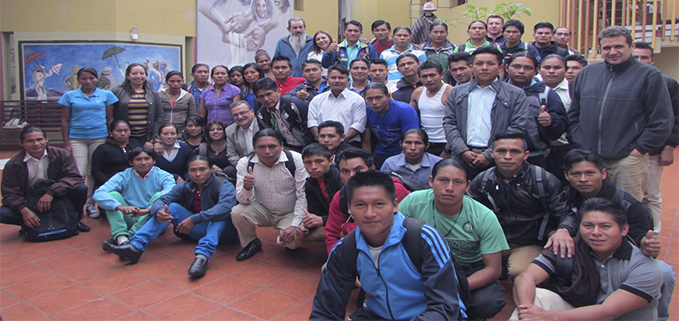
{"points": [[229, 32]]}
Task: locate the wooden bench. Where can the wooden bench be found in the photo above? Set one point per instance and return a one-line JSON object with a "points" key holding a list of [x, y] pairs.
{"points": [[44, 114]]}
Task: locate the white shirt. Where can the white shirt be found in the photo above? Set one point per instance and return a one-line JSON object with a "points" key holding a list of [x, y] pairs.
{"points": [[347, 108], [173, 153], [478, 116], [562, 90], [37, 168], [274, 188], [248, 135]]}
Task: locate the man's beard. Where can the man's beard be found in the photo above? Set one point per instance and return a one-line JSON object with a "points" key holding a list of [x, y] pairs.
{"points": [[298, 42]]}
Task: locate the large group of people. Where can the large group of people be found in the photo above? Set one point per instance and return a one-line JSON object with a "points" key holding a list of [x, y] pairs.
{"points": [[430, 171]]}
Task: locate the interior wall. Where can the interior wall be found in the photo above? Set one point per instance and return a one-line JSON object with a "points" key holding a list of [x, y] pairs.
{"points": [[319, 15]]}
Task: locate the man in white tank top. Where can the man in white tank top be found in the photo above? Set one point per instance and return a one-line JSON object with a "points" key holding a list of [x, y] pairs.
{"points": [[430, 100]]}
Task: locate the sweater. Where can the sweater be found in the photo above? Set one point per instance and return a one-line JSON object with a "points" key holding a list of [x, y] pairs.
{"points": [[135, 191]]}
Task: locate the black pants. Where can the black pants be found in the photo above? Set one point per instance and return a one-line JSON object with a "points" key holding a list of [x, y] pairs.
{"points": [[77, 196], [487, 301]]}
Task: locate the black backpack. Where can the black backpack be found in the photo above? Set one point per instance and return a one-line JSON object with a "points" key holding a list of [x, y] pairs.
{"points": [[59, 222], [411, 243]]}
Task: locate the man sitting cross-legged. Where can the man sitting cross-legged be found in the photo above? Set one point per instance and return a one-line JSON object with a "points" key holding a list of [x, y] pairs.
{"points": [[199, 209]]}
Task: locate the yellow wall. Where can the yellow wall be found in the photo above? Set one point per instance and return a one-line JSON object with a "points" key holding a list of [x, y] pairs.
{"points": [[319, 15], [395, 11], [666, 61]]}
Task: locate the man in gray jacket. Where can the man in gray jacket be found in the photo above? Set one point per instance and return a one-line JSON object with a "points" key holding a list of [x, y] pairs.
{"points": [[494, 106], [621, 110]]}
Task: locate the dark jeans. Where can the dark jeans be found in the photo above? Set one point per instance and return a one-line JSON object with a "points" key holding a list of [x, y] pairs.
{"points": [[487, 301], [436, 148], [77, 196]]}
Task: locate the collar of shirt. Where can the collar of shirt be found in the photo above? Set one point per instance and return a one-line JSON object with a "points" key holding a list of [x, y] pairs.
{"points": [[351, 86], [252, 126], [29, 157], [491, 86], [410, 48], [356, 45], [532, 82], [342, 94], [562, 86], [145, 176], [95, 93], [282, 158]]}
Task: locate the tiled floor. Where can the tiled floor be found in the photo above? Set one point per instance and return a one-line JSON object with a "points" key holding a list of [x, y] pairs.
{"points": [[74, 279]]}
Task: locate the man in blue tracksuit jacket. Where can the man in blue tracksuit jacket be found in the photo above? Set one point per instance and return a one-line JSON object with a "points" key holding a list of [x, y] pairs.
{"points": [[398, 289]]}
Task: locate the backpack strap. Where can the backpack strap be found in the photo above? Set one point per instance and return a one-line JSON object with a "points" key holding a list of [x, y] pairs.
{"points": [[350, 252], [214, 189], [412, 239], [542, 195], [289, 164], [543, 96], [485, 187]]}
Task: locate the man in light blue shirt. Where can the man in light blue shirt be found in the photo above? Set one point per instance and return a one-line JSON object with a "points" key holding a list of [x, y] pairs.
{"points": [[414, 165]]}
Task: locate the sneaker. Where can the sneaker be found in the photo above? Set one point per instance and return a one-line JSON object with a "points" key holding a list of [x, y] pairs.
{"points": [[92, 211]]}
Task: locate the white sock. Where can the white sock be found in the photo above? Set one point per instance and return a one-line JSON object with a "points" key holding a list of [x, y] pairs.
{"points": [[122, 238]]}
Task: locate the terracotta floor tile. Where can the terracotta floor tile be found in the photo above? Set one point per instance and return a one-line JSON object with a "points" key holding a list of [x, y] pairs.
{"points": [[146, 294], [88, 270], [20, 273], [138, 316], [229, 265], [83, 239], [298, 260], [116, 281], [9, 260], [227, 314], [263, 274], [299, 285], [102, 309], [38, 286], [42, 250], [301, 312], [64, 260], [266, 304], [187, 305], [226, 290], [185, 282], [63, 299], [6, 300], [21, 311], [156, 265]]}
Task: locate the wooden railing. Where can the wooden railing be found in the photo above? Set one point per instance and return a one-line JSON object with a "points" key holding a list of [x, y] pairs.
{"points": [[652, 21], [44, 114]]}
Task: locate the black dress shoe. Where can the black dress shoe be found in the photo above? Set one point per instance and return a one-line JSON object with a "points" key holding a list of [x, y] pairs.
{"points": [[82, 227], [106, 244], [126, 251], [198, 267], [250, 250]]}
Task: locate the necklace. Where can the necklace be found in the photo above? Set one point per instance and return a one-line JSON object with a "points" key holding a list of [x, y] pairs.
{"points": [[457, 216]]}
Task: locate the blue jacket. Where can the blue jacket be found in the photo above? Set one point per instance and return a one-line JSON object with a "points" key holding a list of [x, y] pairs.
{"points": [[284, 48], [367, 51], [398, 290], [212, 210]]}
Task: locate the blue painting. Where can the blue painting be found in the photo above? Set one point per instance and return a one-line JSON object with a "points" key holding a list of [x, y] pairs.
{"points": [[50, 67]]}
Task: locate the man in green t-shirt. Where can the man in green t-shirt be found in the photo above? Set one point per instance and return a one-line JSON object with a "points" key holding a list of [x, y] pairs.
{"points": [[472, 231]]}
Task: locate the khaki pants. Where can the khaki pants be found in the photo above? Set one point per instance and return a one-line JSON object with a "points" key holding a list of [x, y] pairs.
{"points": [[629, 174], [315, 239], [546, 300], [519, 257], [246, 217], [652, 197]]}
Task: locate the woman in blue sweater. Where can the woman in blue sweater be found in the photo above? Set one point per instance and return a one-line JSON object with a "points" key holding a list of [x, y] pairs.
{"points": [[172, 155]]}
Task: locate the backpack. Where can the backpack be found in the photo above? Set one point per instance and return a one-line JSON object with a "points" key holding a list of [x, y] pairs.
{"points": [[411, 243], [538, 174], [59, 222], [289, 164]]}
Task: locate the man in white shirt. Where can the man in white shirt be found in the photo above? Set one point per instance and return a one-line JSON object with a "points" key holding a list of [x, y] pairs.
{"points": [[339, 104], [270, 190]]}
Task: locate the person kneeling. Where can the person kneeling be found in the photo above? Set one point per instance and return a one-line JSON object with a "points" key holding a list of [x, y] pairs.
{"points": [[626, 287], [199, 209]]}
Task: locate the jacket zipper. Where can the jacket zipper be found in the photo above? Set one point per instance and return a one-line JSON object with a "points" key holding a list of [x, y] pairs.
{"points": [[386, 288], [603, 105]]}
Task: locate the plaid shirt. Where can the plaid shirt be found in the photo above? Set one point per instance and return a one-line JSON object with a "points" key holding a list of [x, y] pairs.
{"points": [[195, 91]]}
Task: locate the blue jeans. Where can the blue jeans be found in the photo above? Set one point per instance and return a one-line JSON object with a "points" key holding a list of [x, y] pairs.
{"points": [[208, 234], [665, 291]]}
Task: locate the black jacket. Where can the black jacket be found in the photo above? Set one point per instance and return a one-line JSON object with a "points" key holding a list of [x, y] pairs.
{"points": [[520, 211], [538, 137], [673, 89], [109, 159], [317, 203], [551, 49], [294, 112], [404, 90]]}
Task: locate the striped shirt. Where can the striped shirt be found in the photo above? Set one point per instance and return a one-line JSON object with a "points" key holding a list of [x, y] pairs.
{"points": [[390, 55], [137, 115]]}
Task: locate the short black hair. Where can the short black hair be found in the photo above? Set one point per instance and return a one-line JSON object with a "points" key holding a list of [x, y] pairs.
{"points": [[600, 204], [316, 149], [407, 55], [640, 45], [339, 67], [577, 57], [175, 73], [419, 131], [454, 162], [379, 61], [363, 60], [541, 25], [491, 49], [281, 58], [555, 56], [354, 152], [430, 64], [163, 126], [399, 28], [514, 23], [510, 135], [196, 157], [523, 53], [212, 72], [117, 122], [438, 23], [198, 65], [379, 86], [143, 149], [355, 23], [475, 21], [371, 178], [378, 23], [459, 56], [311, 62], [578, 155], [267, 132], [265, 83], [30, 129], [339, 128], [88, 70]]}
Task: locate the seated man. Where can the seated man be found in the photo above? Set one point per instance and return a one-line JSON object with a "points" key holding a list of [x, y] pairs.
{"points": [[263, 202], [629, 280], [586, 174], [199, 209], [239, 135], [331, 135], [377, 252], [472, 231], [414, 164], [527, 201], [387, 120], [340, 222], [285, 114], [128, 195], [315, 83], [37, 163], [321, 185]]}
